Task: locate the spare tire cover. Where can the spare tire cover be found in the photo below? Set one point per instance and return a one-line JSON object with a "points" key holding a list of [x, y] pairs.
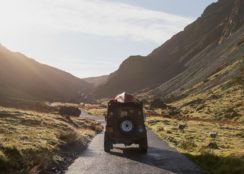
{"points": [[126, 126]]}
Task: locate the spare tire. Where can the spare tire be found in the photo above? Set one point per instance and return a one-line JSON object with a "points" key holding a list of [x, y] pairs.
{"points": [[126, 126]]}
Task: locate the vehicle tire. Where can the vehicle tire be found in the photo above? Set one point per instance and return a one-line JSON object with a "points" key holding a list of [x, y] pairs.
{"points": [[126, 126], [107, 143], [143, 146]]}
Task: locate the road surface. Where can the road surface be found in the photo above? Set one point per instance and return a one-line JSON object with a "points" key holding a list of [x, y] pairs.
{"points": [[160, 159]]}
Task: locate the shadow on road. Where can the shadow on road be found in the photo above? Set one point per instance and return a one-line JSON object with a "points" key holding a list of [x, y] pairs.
{"points": [[156, 157]]}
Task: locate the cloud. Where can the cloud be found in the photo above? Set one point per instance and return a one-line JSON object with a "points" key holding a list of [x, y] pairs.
{"points": [[96, 17]]}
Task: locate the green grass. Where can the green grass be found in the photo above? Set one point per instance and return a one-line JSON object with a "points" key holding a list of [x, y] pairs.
{"points": [[194, 142], [218, 164], [30, 139]]}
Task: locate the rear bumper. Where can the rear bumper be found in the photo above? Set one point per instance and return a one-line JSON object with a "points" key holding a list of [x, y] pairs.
{"points": [[128, 140]]}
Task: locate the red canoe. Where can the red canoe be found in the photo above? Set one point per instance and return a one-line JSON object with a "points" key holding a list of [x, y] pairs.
{"points": [[124, 98]]}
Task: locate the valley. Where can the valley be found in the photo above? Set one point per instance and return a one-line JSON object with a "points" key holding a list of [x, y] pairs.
{"points": [[192, 89]]}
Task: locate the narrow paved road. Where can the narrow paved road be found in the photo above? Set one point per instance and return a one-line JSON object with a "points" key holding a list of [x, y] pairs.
{"points": [[160, 159]]}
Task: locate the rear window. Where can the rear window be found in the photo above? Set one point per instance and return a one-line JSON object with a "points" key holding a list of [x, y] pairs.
{"points": [[127, 112]]}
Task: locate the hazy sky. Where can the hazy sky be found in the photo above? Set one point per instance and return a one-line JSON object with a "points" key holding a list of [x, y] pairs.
{"points": [[92, 37]]}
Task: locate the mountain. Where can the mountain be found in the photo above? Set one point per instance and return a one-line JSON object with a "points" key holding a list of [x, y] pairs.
{"points": [[96, 81], [213, 41], [22, 78]]}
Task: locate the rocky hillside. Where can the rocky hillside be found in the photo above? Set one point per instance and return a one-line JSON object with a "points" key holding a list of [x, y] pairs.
{"points": [[214, 40], [23, 78], [219, 97]]}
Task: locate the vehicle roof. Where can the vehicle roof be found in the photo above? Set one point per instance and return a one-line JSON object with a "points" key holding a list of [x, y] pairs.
{"points": [[133, 104]]}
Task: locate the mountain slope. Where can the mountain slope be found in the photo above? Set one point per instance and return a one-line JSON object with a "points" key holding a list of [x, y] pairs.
{"points": [[210, 42], [24, 78], [219, 97], [96, 81]]}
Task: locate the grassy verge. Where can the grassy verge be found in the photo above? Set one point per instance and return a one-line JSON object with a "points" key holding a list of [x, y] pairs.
{"points": [[29, 140], [94, 109], [223, 154]]}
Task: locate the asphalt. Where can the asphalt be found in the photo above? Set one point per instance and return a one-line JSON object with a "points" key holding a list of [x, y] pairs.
{"points": [[160, 158]]}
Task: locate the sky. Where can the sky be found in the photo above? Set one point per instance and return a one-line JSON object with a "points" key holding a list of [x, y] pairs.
{"points": [[92, 37]]}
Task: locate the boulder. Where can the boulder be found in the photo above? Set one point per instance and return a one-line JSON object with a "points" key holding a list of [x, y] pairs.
{"points": [[182, 126], [69, 111], [213, 145]]}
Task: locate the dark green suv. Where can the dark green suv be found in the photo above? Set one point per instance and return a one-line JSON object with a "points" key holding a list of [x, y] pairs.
{"points": [[125, 125]]}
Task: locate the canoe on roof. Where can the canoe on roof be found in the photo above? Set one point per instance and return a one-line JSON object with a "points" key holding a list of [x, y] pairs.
{"points": [[124, 98]]}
